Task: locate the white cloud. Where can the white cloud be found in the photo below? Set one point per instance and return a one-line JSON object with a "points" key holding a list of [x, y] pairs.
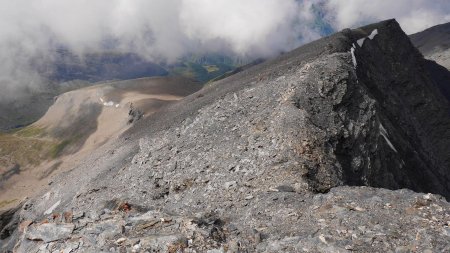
{"points": [[413, 15], [246, 26], [167, 29]]}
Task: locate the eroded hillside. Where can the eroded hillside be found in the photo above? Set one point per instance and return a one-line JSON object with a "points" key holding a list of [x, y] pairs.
{"points": [[78, 123]]}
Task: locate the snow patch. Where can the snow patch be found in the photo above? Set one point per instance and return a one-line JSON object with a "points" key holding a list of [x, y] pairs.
{"points": [[373, 34], [110, 103], [117, 105], [385, 134], [361, 42], [352, 51], [50, 210], [101, 100]]}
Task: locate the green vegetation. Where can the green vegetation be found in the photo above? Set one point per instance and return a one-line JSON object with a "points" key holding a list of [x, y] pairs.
{"points": [[30, 131], [204, 68], [30, 146], [24, 150], [57, 149], [7, 202], [234, 71], [201, 73], [211, 68]]}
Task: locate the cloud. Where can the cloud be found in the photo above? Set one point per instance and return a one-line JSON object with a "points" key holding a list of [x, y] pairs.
{"points": [[164, 30], [155, 28], [252, 26], [159, 30], [413, 15]]}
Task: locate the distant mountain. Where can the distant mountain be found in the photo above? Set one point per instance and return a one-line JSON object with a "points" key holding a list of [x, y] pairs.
{"points": [[68, 71], [103, 66], [106, 66], [434, 44], [432, 40], [205, 67]]}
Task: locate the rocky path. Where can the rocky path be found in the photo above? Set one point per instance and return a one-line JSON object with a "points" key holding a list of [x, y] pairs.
{"points": [[344, 220]]}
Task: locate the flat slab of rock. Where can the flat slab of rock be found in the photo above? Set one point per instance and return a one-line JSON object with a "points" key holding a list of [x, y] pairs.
{"points": [[50, 232]]}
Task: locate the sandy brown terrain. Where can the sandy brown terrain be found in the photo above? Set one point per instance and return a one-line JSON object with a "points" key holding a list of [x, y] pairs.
{"points": [[81, 121]]}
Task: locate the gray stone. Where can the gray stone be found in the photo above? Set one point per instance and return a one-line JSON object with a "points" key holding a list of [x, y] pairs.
{"points": [[163, 243], [230, 184], [49, 232], [285, 188]]}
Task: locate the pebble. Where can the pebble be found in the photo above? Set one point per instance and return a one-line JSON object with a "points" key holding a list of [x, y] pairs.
{"points": [[121, 240], [230, 184]]}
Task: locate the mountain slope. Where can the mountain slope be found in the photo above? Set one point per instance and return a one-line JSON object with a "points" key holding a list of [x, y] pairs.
{"points": [[258, 162], [432, 40], [79, 122], [434, 44], [100, 67], [68, 71]]}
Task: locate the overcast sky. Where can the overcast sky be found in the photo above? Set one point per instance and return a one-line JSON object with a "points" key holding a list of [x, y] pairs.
{"points": [[164, 30]]}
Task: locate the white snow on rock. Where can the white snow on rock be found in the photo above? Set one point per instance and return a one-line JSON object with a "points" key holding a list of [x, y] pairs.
{"points": [[372, 35], [360, 42], [110, 103], [352, 51], [50, 210], [385, 134]]}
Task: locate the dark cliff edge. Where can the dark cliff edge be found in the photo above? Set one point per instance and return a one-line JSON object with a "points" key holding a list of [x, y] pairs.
{"points": [[295, 154], [411, 109]]}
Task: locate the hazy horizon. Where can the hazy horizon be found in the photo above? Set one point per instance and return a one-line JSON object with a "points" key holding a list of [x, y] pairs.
{"points": [[165, 30]]}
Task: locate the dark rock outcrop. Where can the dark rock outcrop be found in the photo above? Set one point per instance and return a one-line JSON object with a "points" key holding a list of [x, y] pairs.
{"points": [[410, 114], [257, 161]]}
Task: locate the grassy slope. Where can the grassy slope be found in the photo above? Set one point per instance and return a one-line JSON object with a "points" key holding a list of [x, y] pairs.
{"points": [[204, 68], [27, 147], [30, 146], [199, 72]]}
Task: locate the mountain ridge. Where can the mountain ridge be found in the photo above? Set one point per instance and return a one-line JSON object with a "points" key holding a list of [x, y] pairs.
{"points": [[278, 157]]}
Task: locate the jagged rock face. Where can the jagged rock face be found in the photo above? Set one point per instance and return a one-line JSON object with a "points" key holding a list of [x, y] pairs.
{"points": [[411, 122], [252, 163]]}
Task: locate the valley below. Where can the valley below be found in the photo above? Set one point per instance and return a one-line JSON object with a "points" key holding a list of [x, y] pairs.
{"points": [[78, 123]]}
